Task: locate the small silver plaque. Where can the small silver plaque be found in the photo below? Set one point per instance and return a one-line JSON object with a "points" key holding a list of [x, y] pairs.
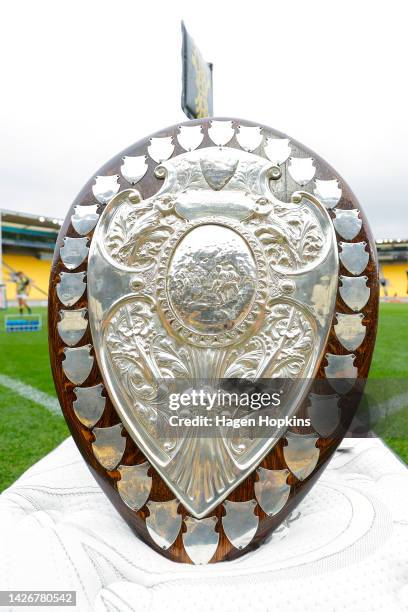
{"points": [[240, 522], [350, 330], [328, 192], [190, 137], [200, 539], [89, 404], [71, 287], [341, 372], [354, 291], [72, 325], [105, 188], [84, 219], [134, 485], [163, 522], [74, 252], [354, 257], [347, 223], [272, 490], [301, 454], [78, 363], [109, 445], [301, 169], [277, 150]]}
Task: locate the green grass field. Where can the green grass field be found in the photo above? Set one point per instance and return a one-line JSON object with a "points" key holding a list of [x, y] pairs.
{"points": [[29, 431]]}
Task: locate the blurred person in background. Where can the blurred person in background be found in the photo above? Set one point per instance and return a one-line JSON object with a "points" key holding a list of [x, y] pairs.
{"points": [[22, 291]]}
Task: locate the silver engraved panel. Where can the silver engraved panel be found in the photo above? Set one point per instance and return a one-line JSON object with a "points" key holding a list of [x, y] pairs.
{"points": [[272, 490], [354, 291], [133, 169], [78, 363], [74, 252], [72, 325], [350, 330], [328, 192], [353, 256], [163, 522], [347, 223], [324, 412], [134, 485], [301, 454], [200, 540], [71, 287], [84, 219], [341, 372], [109, 445], [89, 404], [240, 522], [175, 288]]}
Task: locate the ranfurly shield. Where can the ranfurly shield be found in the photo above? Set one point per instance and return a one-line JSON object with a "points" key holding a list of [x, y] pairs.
{"points": [[213, 258]]}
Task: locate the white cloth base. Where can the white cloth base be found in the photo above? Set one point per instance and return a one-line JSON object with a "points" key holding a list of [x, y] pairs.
{"points": [[348, 550]]}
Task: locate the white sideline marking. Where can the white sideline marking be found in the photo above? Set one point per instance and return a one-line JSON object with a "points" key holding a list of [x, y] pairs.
{"points": [[393, 404], [31, 393]]}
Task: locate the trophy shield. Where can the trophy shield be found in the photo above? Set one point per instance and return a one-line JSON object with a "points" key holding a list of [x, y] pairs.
{"points": [[223, 254]]}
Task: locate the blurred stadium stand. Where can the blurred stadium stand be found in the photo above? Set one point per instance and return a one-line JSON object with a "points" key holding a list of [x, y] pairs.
{"points": [[393, 258], [28, 243]]}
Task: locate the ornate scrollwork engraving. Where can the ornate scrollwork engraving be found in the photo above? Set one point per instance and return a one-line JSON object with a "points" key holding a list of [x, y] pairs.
{"points": [[138, 232], [292, 239], [281, 350]]}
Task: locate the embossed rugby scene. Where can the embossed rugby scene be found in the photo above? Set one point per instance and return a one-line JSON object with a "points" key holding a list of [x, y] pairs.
{"points": [[214, 250]]}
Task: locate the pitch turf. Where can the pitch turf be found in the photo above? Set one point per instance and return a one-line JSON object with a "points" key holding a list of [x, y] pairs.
{"points": [[28, 431]]}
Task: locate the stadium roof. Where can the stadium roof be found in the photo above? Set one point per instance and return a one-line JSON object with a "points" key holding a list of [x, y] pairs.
{"points": [[392, 250], [29, 220]]}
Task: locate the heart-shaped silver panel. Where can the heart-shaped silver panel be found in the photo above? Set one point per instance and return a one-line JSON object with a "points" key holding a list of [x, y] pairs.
{"points": [[211, 278]]}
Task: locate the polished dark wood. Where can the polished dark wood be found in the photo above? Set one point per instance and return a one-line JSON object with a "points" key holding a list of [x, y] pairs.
{"points": [[275, 459]]}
